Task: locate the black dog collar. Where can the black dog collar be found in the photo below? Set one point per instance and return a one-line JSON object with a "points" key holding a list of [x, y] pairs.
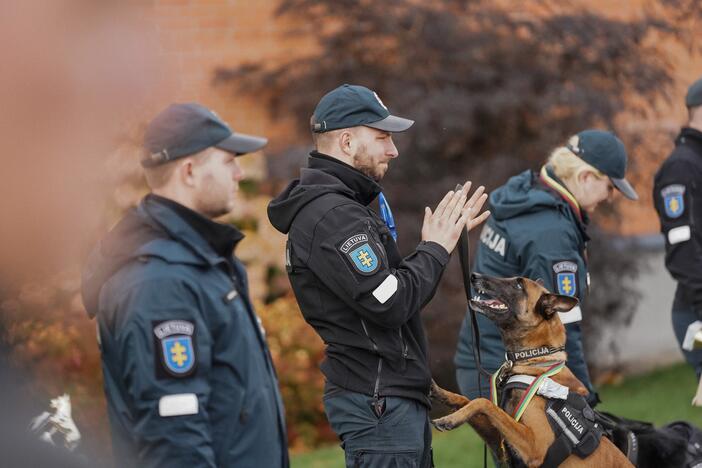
{"points": [[525, 354]]}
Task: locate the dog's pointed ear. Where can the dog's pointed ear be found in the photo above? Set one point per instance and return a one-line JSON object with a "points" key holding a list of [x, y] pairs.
{"points": [[549, 304], [539, 281]]}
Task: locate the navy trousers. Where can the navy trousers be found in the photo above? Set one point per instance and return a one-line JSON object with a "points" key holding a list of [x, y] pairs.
{"points": [[399, 438]]}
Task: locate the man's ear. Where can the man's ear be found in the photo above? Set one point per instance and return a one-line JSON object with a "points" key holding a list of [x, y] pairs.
{"points": [[549, 304], [347, 143], [185, 171]]}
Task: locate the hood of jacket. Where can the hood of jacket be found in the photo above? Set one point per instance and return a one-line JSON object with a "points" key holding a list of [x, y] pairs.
{"points": [[324, 174], [115, 250], [523, 194], [152, 229]]}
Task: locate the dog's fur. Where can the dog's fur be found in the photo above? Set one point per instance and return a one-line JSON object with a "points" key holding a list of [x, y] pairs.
{"points": [[529, 320]]}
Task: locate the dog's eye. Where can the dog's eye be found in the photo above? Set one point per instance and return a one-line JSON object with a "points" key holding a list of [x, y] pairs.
{"points": [[519, 285]]}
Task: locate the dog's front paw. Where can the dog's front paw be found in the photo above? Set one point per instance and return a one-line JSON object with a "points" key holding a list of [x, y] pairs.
{"points": [[443, 424]]}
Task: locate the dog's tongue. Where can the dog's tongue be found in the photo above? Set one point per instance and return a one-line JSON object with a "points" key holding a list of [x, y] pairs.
{"points": [[493, 302]]}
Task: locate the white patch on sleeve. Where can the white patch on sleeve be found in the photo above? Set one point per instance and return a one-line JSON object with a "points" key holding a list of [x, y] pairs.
{"points": [[386, 289], [180, 404], [573, 315], [679, 234]]}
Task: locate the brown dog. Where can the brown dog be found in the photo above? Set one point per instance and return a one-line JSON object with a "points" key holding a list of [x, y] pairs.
{"points": [[525, 313]]}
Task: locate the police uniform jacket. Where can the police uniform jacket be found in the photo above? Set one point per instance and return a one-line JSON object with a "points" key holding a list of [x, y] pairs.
{"points": [[187, 373], [533, 232], [353, 286], [677, 196]]}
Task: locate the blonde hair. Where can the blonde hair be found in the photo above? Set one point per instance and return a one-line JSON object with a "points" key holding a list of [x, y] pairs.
{"points": [[568, 166]]}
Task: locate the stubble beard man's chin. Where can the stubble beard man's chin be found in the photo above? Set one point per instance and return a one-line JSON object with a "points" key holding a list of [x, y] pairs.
{"points": [[365, 165], [213, 207]]}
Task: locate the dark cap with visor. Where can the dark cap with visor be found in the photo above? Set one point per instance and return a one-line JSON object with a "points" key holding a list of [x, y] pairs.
{"points": [[184, 129], [606, 153], [352, 106]]}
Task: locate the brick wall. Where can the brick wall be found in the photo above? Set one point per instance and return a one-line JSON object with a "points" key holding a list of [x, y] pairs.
{"points": [[194, 37]]}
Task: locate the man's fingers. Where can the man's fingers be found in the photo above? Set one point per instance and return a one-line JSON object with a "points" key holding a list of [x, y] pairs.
{"points": [[478, 205], [458, 207], [466, 187], [477, 221], [427, 214], [473, 209], [451, 205], [442, 204], [476, 195]]}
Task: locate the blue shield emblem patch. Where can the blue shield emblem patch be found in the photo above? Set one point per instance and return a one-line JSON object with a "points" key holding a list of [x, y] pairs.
{"points": [[174, 343], [178, 354], [566, 284], [674, 200], [565, 277], [364, 258]]}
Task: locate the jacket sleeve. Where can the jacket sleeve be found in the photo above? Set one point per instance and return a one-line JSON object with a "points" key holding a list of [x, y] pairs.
{"points": [[553, 257], [681, 217], [346, 254], [164, 353]]}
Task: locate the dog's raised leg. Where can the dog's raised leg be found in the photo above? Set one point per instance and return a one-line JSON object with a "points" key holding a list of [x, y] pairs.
{"points": [[483, 415], [450, 399]]}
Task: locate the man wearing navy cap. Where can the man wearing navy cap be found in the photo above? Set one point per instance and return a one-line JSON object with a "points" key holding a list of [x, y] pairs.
{"points": [[188, 376], [677, 196], [353, 286]]}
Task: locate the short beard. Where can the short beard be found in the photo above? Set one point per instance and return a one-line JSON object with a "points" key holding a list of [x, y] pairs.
{"points": [[209, 203], [364, 164]]}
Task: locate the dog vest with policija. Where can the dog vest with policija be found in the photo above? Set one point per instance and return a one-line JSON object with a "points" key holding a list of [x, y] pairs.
{"points": [[571, 418]]}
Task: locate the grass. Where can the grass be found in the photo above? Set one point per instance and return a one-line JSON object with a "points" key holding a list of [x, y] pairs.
{"points": [[660, 397]]}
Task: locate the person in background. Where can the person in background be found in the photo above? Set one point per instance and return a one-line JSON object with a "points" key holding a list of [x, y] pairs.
{"points": [[188, 376], [677, 197], [538, 229]]}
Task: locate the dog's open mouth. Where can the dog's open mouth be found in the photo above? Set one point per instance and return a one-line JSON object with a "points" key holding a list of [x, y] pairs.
{"points": [[483, 301]]}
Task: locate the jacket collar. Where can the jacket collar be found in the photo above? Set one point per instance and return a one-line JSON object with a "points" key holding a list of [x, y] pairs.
{"points": [[548, 179], [690, 136], [188, 228], [364, 188]]}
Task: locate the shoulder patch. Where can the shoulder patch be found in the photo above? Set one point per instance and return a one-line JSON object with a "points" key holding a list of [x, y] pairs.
{"points": [[358, 250], [674, 200], [174, 341], [565, 277]]}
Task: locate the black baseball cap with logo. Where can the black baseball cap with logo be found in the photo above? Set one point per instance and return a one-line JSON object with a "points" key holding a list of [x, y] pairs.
{"points": [[184, 129], [351, 106], [606, 153]]}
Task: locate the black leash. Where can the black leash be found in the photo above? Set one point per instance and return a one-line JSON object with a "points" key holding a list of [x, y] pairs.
{"points": [[464, 256]]}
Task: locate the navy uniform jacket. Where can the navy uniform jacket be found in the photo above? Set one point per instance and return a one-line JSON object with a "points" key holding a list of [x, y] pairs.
{"points": [[188, 377], [353, 286], [532, 232], [677, 196]]}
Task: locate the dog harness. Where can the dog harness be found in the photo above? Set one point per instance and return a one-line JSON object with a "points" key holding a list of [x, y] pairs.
{"points": [[571, 418]]}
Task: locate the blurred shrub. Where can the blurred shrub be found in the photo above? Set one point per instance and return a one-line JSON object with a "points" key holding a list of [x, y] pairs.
{"points": [[297, 352]]}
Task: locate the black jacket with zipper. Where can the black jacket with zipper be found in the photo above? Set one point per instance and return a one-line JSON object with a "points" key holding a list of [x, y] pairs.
{"points": [[677, 197], [353, 286]]}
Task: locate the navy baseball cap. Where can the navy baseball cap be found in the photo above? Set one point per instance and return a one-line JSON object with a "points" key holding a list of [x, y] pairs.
{"points": [[184, 129], [352, 105], [694, 94], [606, 153]]}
